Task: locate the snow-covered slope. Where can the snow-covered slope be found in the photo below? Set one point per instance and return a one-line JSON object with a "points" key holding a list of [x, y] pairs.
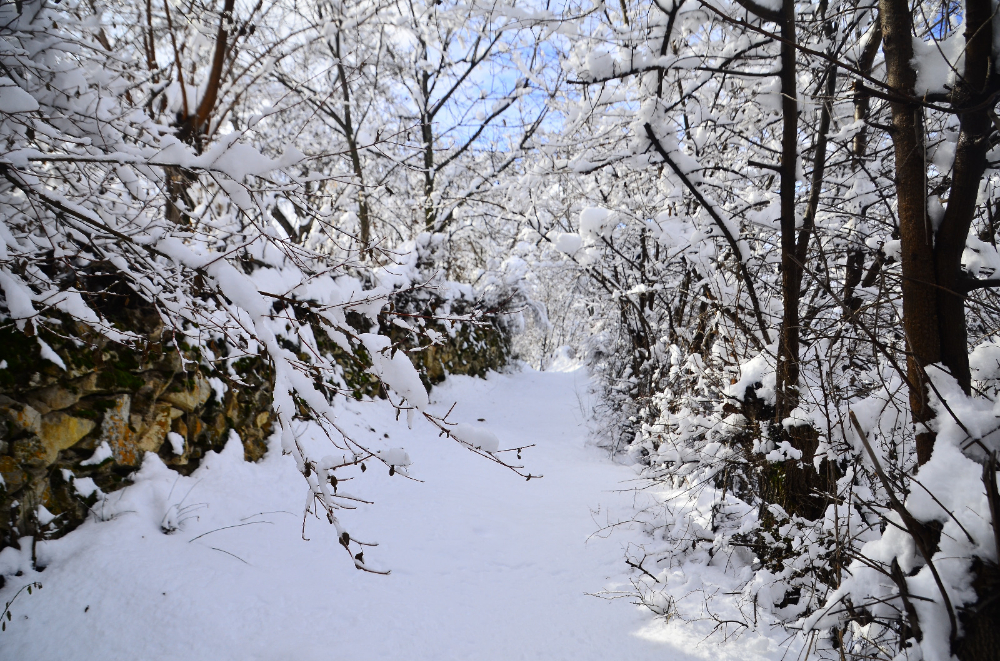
{"points": [[484, 565]]}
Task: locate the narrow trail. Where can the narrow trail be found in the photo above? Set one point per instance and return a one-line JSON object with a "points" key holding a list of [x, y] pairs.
{"points": [[484, 565]]}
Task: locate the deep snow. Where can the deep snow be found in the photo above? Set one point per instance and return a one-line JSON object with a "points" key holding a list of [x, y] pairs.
{"points": [[484, 565]]}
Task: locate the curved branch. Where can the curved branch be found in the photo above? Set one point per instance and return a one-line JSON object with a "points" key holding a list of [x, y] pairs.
{"points": [[733, 244]]}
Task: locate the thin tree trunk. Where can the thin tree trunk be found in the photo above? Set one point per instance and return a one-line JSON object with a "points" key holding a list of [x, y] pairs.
{"points": [[972, 97], [920, 313], [194, 125], [364, 217], [427, 135], [786, 391], [861, 96], [856, 255]]}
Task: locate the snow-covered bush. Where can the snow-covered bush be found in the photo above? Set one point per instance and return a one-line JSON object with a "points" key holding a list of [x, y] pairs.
{"points": [[148, 158], [751, 160]]}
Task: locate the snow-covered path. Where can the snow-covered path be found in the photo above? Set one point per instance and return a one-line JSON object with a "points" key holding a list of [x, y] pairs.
{"points": [[484, 565]]}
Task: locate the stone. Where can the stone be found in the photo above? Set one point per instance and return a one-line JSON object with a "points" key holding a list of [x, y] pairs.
{"points": [[180, 427], [61, 431], [56, 432], [193, 398], [53, 398], [29, 452], [86, 385], [13, 477], [169, 361], [195, 428], [156, 431], [154, 385], [131, 402], [23, 418], [39, 406], [115, 429]]}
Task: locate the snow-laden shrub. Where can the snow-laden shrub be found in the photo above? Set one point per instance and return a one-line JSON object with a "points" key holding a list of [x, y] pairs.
{"points": [[734, 156], [117, 182]]}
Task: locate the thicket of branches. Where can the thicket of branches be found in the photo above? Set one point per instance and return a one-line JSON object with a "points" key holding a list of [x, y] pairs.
{"points": [[784, 214], [768, 226], [272, 181]]}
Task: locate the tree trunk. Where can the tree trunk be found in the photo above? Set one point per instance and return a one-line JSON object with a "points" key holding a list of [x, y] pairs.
{"points": [[861, 97], [364, 217], [786, 391], [972, 98], [799, 484], [920, 313], [856, 256], [933, 279], [933, 287]]}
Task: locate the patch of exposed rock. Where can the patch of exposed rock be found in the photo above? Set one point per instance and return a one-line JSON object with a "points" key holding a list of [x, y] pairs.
{"points": [[98, 417], [70, 432]]}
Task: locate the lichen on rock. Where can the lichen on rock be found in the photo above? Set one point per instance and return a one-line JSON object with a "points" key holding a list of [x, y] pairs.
{"points": [[131, 397]]}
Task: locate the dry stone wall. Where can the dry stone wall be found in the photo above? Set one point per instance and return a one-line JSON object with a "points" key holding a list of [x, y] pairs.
{"points": [[67, 431], [78, 413]]}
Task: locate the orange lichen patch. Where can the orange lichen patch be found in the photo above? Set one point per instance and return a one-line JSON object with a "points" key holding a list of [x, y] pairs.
{"points": [[61, 432], [116, 431], [13, 477]]}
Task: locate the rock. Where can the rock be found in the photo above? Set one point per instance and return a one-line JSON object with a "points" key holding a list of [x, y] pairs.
{"points": [[178, 426], [119, 435], [154, 385], [156, 431], [193, 398], [39, 406], [169, 361], [56, 432], [13, 477], [30, 453], [22, 417], [195, 428], [86, 385], [61, 431], [52, 422], [53, 398], [58, 398]]}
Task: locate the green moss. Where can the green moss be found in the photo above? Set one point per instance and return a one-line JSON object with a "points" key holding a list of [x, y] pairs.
{"points": [[22, 355], [126, 360], [114, 378], [245, 365], [82, 360], [90, 414]]}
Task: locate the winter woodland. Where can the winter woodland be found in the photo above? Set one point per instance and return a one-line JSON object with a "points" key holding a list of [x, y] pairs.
{"points": [[766, 229]]}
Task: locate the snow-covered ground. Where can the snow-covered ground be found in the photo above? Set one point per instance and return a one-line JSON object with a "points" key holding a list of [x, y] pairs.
{"points": [[484, 565]]}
